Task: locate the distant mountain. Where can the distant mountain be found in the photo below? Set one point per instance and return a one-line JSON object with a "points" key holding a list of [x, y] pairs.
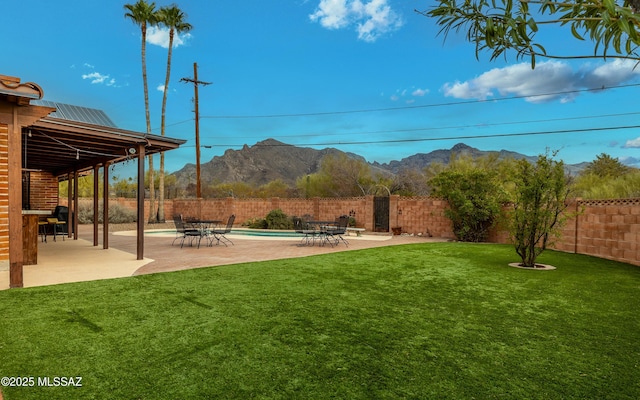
{"points": [[270, 159], [261, 163], [443, 156]]}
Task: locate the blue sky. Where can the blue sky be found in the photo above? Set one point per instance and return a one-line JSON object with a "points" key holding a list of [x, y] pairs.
{"points": [[365, 76]]}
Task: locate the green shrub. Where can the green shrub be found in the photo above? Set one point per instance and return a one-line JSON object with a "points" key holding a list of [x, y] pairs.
{"points": [[117, 214], [255, 223], [277, 219]]}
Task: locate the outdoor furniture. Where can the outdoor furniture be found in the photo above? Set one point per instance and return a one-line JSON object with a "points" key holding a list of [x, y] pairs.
{"points": [[183, 232], [57, 226], [301, 226], [42, 230], [321, 231], [335, 235], [219, 234]]}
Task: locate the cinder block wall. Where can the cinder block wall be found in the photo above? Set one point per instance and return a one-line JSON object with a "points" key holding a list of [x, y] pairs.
{"points": [[609, 229], [603, 228], [246, 209]]}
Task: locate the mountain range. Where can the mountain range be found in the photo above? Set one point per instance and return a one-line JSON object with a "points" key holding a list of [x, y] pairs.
{"points": [[270, 159]]}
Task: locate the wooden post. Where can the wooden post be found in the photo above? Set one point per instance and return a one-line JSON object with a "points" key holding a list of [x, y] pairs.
{"points": [[70, 210], [140, 244], [75, 205], [96, 200], [15, 203], [105, 207]]}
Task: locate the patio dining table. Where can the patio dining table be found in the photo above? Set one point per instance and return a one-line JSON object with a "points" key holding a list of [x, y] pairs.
{"points": [[204, 227], [320, 229]]}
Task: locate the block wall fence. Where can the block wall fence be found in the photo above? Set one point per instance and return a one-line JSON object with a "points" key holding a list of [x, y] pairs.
{"points": [[603, 228]]}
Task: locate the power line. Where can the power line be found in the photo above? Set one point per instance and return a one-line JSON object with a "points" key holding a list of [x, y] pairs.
{"points": [[452, 127], [346, 143], [454, 103]]}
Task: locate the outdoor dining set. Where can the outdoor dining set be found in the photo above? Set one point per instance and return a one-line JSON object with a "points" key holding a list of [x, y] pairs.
{"points": [[322, 232], [312, 232], [194, 230]]}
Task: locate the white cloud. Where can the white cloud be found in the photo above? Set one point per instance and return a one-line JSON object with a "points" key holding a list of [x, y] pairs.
{"points": [[160, 88], [88, 65], [420, 92], [370, 19], [517, 80], [633, 143], [97, 77], [548, 78], [159, 36]]}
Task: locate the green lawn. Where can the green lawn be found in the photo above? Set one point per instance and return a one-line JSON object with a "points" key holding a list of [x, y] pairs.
{"points": [[438, 320]]}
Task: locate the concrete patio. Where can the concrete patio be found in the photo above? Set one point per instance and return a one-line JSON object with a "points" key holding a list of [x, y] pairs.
{"points": [[78, 260]]}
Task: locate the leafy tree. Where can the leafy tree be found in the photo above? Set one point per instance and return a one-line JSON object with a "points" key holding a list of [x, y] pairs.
{"points": [[511, 25], [338, 176], [275, 188], [541, 191], [239, 190], [85, 186], [475, 196], [174, 19], [593, 186], [124, 187], [606, 166], [144, 14], [410, 182]]}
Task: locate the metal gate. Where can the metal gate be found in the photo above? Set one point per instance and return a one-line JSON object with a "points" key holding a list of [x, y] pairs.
{"points": [[381, 214]]}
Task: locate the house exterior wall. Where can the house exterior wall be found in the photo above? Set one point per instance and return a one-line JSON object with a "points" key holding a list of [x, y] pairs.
{"points": [[44, 191]]}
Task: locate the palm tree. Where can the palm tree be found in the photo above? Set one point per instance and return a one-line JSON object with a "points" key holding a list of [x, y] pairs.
{"points": [[143, 14], [174, 19]]}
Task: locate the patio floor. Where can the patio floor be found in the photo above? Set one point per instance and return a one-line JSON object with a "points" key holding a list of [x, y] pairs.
{"points": [[78, 260]]}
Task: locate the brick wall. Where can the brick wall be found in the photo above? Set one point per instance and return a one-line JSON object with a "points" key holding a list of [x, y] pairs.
{"points": [[606, 228], [609, 229], [44, 191], [246, 209], [4, 196]]}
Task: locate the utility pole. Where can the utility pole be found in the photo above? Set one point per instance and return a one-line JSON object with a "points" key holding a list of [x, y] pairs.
{"points": [[196, 82]]}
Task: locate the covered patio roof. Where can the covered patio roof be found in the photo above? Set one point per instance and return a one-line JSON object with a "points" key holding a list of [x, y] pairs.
{"points": [[62, 140], [66, 142]]}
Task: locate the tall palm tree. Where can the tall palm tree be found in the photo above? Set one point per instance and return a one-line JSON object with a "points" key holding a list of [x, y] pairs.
{"points": [[143, 14], [174, 19]]}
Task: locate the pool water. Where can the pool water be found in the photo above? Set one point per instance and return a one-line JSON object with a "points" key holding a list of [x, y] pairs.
{"points": [[240, 232]]}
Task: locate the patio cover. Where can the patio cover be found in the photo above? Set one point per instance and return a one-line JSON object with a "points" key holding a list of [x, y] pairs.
{"points": [[65, 144], [60, 145]]}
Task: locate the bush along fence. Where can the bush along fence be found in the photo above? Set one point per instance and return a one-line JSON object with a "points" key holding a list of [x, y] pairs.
{"points": [[603, 228]]}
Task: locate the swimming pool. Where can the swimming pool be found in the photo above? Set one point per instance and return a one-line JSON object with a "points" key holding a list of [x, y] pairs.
{"points": [[235, 232]]}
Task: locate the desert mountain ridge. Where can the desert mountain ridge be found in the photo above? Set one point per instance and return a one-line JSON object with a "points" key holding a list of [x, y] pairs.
{"points": [[271, 159]]}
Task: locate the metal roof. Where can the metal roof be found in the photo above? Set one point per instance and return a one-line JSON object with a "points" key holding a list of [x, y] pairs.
{"points": [[77, 113]]}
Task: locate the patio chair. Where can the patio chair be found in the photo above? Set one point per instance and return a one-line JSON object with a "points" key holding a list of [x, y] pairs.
{"points": [[301, 226], [337, 233], [57, 227], [183, 232], [219, 234]]}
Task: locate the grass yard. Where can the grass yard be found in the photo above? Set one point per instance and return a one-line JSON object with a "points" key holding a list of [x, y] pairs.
{"points": [[428, 321]]}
